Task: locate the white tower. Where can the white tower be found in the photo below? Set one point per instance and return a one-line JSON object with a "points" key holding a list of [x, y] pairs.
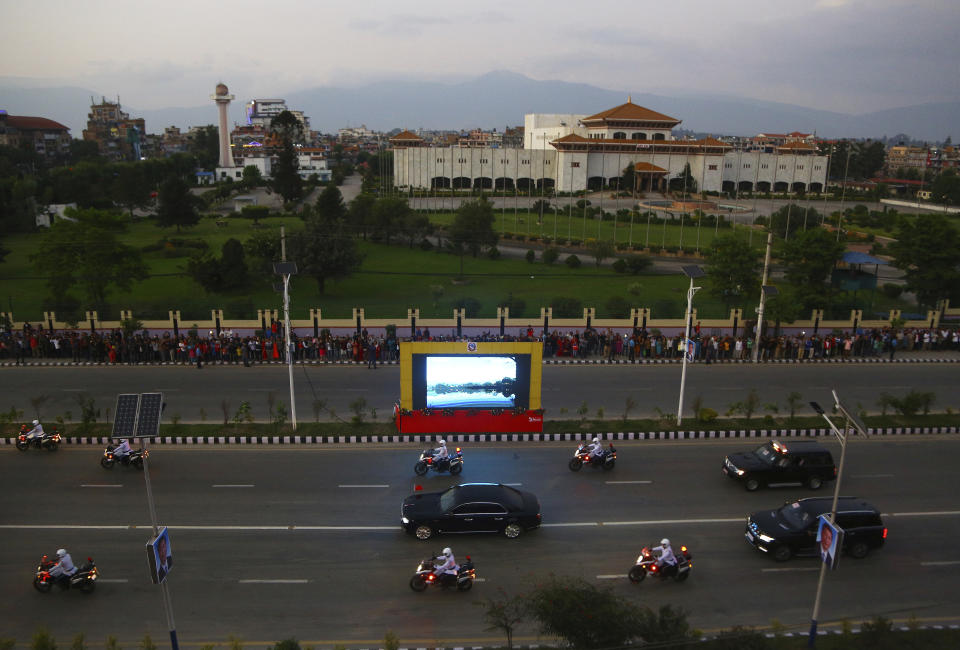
{"points": [[223, 98]]}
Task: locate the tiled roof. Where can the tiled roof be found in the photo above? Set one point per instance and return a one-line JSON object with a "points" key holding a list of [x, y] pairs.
{"points": [[796, 145], [710, 142], [647, 167], [27, 122], [631, 111], [406, 135]]}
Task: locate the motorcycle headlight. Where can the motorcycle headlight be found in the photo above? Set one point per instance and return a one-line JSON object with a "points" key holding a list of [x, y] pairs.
{"points": [[404, 520]]}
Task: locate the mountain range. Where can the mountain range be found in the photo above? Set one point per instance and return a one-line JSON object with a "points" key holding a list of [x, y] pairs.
{"points": [[496, 100]]}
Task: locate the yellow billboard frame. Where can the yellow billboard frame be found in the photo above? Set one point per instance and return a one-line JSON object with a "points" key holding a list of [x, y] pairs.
{"points": [[467, 349]]}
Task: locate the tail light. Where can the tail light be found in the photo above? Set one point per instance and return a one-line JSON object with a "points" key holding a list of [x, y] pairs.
{"points": [[468, 557], [417, 488], [458, 450], [884, 533], [89, 559], [22, 437], [429, 461], [683, 549]]}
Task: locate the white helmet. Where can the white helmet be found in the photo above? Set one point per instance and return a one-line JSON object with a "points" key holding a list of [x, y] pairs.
{"points": [[36, 422], [443, 443], [596, 439], [447, 551], [61, 552], [664, 542]]}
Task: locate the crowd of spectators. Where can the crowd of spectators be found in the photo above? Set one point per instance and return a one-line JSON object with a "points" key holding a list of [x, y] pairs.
{"points": [[268, 345]]}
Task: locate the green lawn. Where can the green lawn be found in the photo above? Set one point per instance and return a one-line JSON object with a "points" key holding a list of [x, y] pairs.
{"points": [[391, 280]]}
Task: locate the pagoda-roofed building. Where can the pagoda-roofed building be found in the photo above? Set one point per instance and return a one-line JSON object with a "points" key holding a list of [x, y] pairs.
{"points": [[572, 153]]}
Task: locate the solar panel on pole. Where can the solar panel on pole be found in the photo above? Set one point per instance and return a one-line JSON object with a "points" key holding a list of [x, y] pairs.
{"points": [[125, 415], [148, 419]]}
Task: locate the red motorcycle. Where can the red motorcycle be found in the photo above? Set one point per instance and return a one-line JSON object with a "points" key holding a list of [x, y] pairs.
{"points": [[647, 565], [85, 579]]}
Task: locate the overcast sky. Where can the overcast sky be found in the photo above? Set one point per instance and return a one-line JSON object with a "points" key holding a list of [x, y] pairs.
{"points": [[851, 56]]}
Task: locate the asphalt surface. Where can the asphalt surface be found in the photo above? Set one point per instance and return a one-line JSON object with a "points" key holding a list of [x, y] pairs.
{"points": [[194, 394], [270, 543]]}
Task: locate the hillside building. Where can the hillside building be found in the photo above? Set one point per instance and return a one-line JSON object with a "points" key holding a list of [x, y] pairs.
{"points": [[44, 136], [118, 136]]}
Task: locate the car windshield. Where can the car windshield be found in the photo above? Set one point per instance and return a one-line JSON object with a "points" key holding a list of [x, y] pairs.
{"points": [[448, 499], [766, 453], [796, 516]]}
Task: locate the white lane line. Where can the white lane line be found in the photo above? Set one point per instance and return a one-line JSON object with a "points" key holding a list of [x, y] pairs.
{"points": [[479, 579], [945, 563], [117, 580], [64, 527], [612, 576], [628, 482], [783, 570], [397, 528], [938, 513], [301, 581], [514, 484], [233, 485], [570, 525], [74, 390], [673, 521], [872, 476], [101, 485], [362, 486]]}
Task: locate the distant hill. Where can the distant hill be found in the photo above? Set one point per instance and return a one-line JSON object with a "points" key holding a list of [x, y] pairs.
{"points": [[499, 99]]}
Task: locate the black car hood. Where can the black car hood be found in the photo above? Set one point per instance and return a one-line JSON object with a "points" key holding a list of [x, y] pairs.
{"points": [[748, 461], [420, 505], [770, 522]]}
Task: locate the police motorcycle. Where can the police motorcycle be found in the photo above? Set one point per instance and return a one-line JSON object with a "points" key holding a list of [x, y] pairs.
{"points": [[85, 579], [424, 577], [647, 565], [607, 458], [452, 463], [50, 440], [133, 459]]}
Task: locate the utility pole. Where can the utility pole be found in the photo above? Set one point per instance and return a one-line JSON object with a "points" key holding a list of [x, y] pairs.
{"points": [[285, 269], [763, 295]]}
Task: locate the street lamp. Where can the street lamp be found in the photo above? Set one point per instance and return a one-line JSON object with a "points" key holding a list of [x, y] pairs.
{"points": [[692, 271], [286, 269], [766, 291], [849, 418]]}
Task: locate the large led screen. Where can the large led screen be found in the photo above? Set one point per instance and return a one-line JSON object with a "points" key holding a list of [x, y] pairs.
{"points": [[471, 382]]}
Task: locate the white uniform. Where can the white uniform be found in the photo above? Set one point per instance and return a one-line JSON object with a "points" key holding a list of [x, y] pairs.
{"points": [[596, 449], [440, 453], [35, 432], [666, 555], [64, 567], [445, 564], [122, 450]]}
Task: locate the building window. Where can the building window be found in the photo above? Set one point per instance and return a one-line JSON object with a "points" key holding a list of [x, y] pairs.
{"points": [[816, 167], [503, 161], [619, 135], [524, 162], [799, 166], [575, 164], [764, 166], [462, 160], [439, 160], [711, 167], [484, 161], [728, 165], [783, 166], [746, 165], [639, 136]]}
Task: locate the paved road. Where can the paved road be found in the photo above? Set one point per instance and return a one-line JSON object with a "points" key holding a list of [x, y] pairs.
{"points": [[318, 528], [187, 390]]}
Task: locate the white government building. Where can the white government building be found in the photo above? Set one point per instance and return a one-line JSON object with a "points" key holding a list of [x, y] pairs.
{"points": [[575, 152]]}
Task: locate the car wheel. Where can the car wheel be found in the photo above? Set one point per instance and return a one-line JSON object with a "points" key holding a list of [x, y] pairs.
{"points": [[456, 468], [465, 585], [512, 530], [575, 464], [420, 468], [637, 574], [751, 484], [858, 550], [782, 553], [814, 482], [424, 532], [417, 583]]}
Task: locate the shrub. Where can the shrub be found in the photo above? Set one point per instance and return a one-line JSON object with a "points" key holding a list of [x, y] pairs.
{"points": [[564, 307], [617, 307], [531, 256], [573, 262], [620, 266], [550, 255], [707, 415], [493, 253]]}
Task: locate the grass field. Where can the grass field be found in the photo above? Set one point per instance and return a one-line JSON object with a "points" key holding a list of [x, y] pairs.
{"points": [[391, 280]]}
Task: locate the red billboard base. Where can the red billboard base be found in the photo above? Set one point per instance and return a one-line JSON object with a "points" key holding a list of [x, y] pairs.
{"points": [[454, 420]]}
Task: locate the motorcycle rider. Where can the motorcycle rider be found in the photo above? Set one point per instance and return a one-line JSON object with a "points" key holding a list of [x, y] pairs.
{"points": [[122, 450], [445, 565], [36, 431], [596, 449], [666, 558], [440, 453], [64, 568]]}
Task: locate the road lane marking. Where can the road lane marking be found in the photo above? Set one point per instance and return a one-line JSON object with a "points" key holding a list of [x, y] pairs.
{"points": [[612, 576], [233, 485], [396, 528], [872, 476], [672, 521], [296, 581], [945, 563], [940, 513], [102, 485], [117, 580], [785, 569], [628, 482], [513, 484], [570, 525], [362, 486]]}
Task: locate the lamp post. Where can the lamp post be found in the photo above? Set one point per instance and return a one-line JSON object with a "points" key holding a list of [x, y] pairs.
{"points": [[764, 292], [286, 269], [692, 271], [849, 418]]}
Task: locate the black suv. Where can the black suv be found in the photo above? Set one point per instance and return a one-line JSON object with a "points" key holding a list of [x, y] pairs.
{"points": [[792, 529], [782, 462]]}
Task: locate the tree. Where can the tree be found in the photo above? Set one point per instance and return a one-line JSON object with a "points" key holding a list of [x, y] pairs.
{"points": [[177, 205], [251, 176], [927, 251], [325, 251], [601, 250], [628, 179], [684, 182], [387, 217], [131, 187], [415, 227], [473, 227], [583, 615], [87, 253], [286, 179], [330, 203], [791, 218], [808, 259], [946, 188], [504, 614], [733, 269], [262, 249], [637, 264], [205, 146], [360, 213], [84, 150]]}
